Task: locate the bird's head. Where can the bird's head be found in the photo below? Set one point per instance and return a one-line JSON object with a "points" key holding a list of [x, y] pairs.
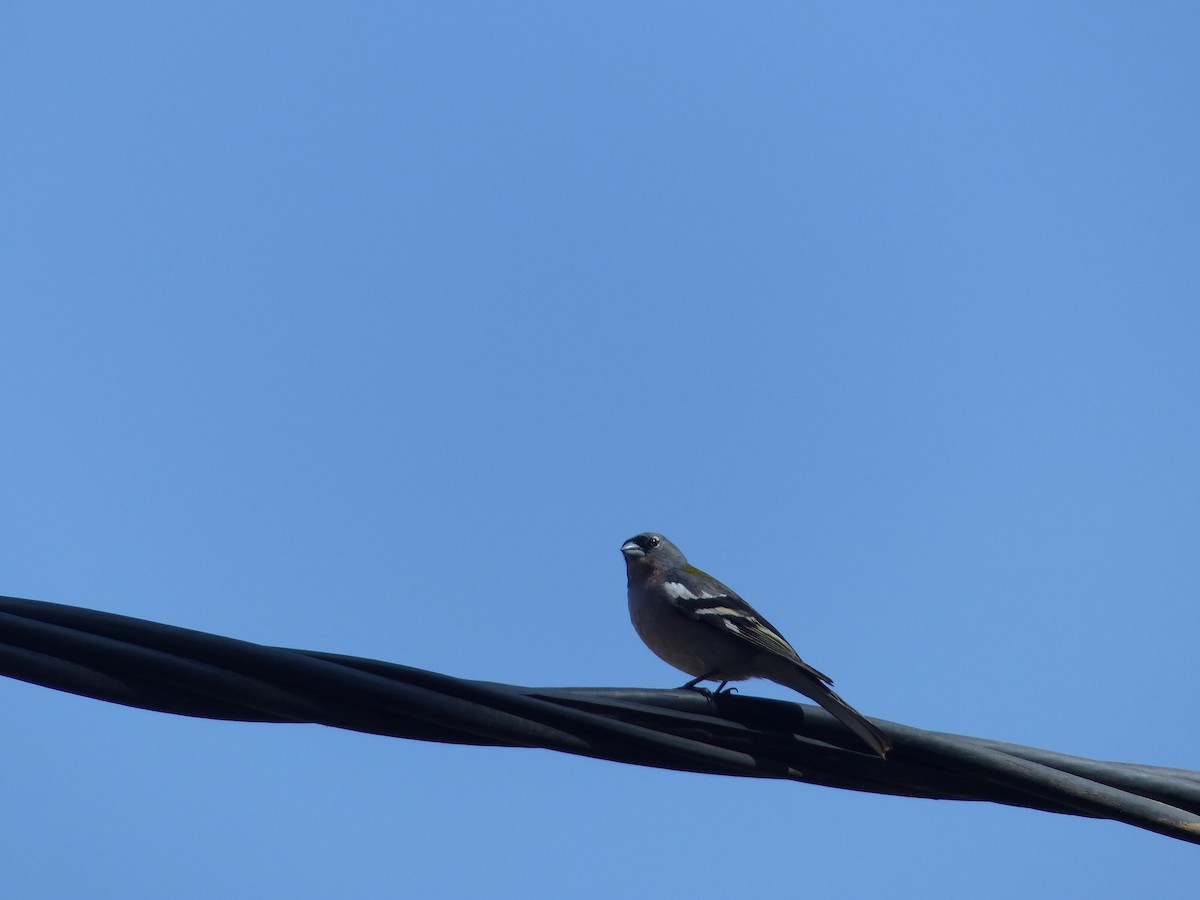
{"points": [[651, 550]]}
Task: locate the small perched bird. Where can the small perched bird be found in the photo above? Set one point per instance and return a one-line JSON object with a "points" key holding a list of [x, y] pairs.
{"points": [[701, 627]]}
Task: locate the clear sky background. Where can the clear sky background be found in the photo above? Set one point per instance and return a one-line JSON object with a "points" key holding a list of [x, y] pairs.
{"points": [[377, 328]]}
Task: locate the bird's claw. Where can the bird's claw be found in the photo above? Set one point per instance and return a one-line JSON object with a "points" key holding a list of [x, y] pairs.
{"points": [[694, 685]]}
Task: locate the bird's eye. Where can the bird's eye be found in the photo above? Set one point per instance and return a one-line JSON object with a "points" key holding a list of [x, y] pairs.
{"points": [[654, 542]]}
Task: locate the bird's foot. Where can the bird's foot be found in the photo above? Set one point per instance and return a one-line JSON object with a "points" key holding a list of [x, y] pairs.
{"points": [[722, 688], [693, 685]]}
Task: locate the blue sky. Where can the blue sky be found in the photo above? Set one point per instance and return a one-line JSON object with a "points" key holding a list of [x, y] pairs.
{"points": [[377, 328]]}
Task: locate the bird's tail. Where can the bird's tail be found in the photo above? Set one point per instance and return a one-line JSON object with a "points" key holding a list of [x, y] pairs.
{"points": [[800, 680]]}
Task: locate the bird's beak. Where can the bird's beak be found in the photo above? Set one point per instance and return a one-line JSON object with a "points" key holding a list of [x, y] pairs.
{"points": [[632, 550]]}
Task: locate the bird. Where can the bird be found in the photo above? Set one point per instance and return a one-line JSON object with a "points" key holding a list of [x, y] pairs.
{"points": [[701, 627]]}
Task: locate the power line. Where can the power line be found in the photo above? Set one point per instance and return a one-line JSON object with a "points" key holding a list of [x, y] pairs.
{"points": [[176, 670]]}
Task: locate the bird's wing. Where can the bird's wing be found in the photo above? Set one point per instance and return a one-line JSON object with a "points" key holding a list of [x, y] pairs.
{"points": [[702, 597]]}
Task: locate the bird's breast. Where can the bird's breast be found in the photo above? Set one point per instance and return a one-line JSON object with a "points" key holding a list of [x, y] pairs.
{"points": [[688, 644]]}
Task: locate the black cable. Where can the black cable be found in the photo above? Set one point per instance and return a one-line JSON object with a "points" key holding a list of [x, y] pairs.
{"points": [[168, 669]]}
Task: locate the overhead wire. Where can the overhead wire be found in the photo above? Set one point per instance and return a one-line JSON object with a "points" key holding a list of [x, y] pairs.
{"points": [[168, 669]]}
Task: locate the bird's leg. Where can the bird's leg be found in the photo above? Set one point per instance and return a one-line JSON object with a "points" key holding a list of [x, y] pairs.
{"points": [[692, 685]]}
